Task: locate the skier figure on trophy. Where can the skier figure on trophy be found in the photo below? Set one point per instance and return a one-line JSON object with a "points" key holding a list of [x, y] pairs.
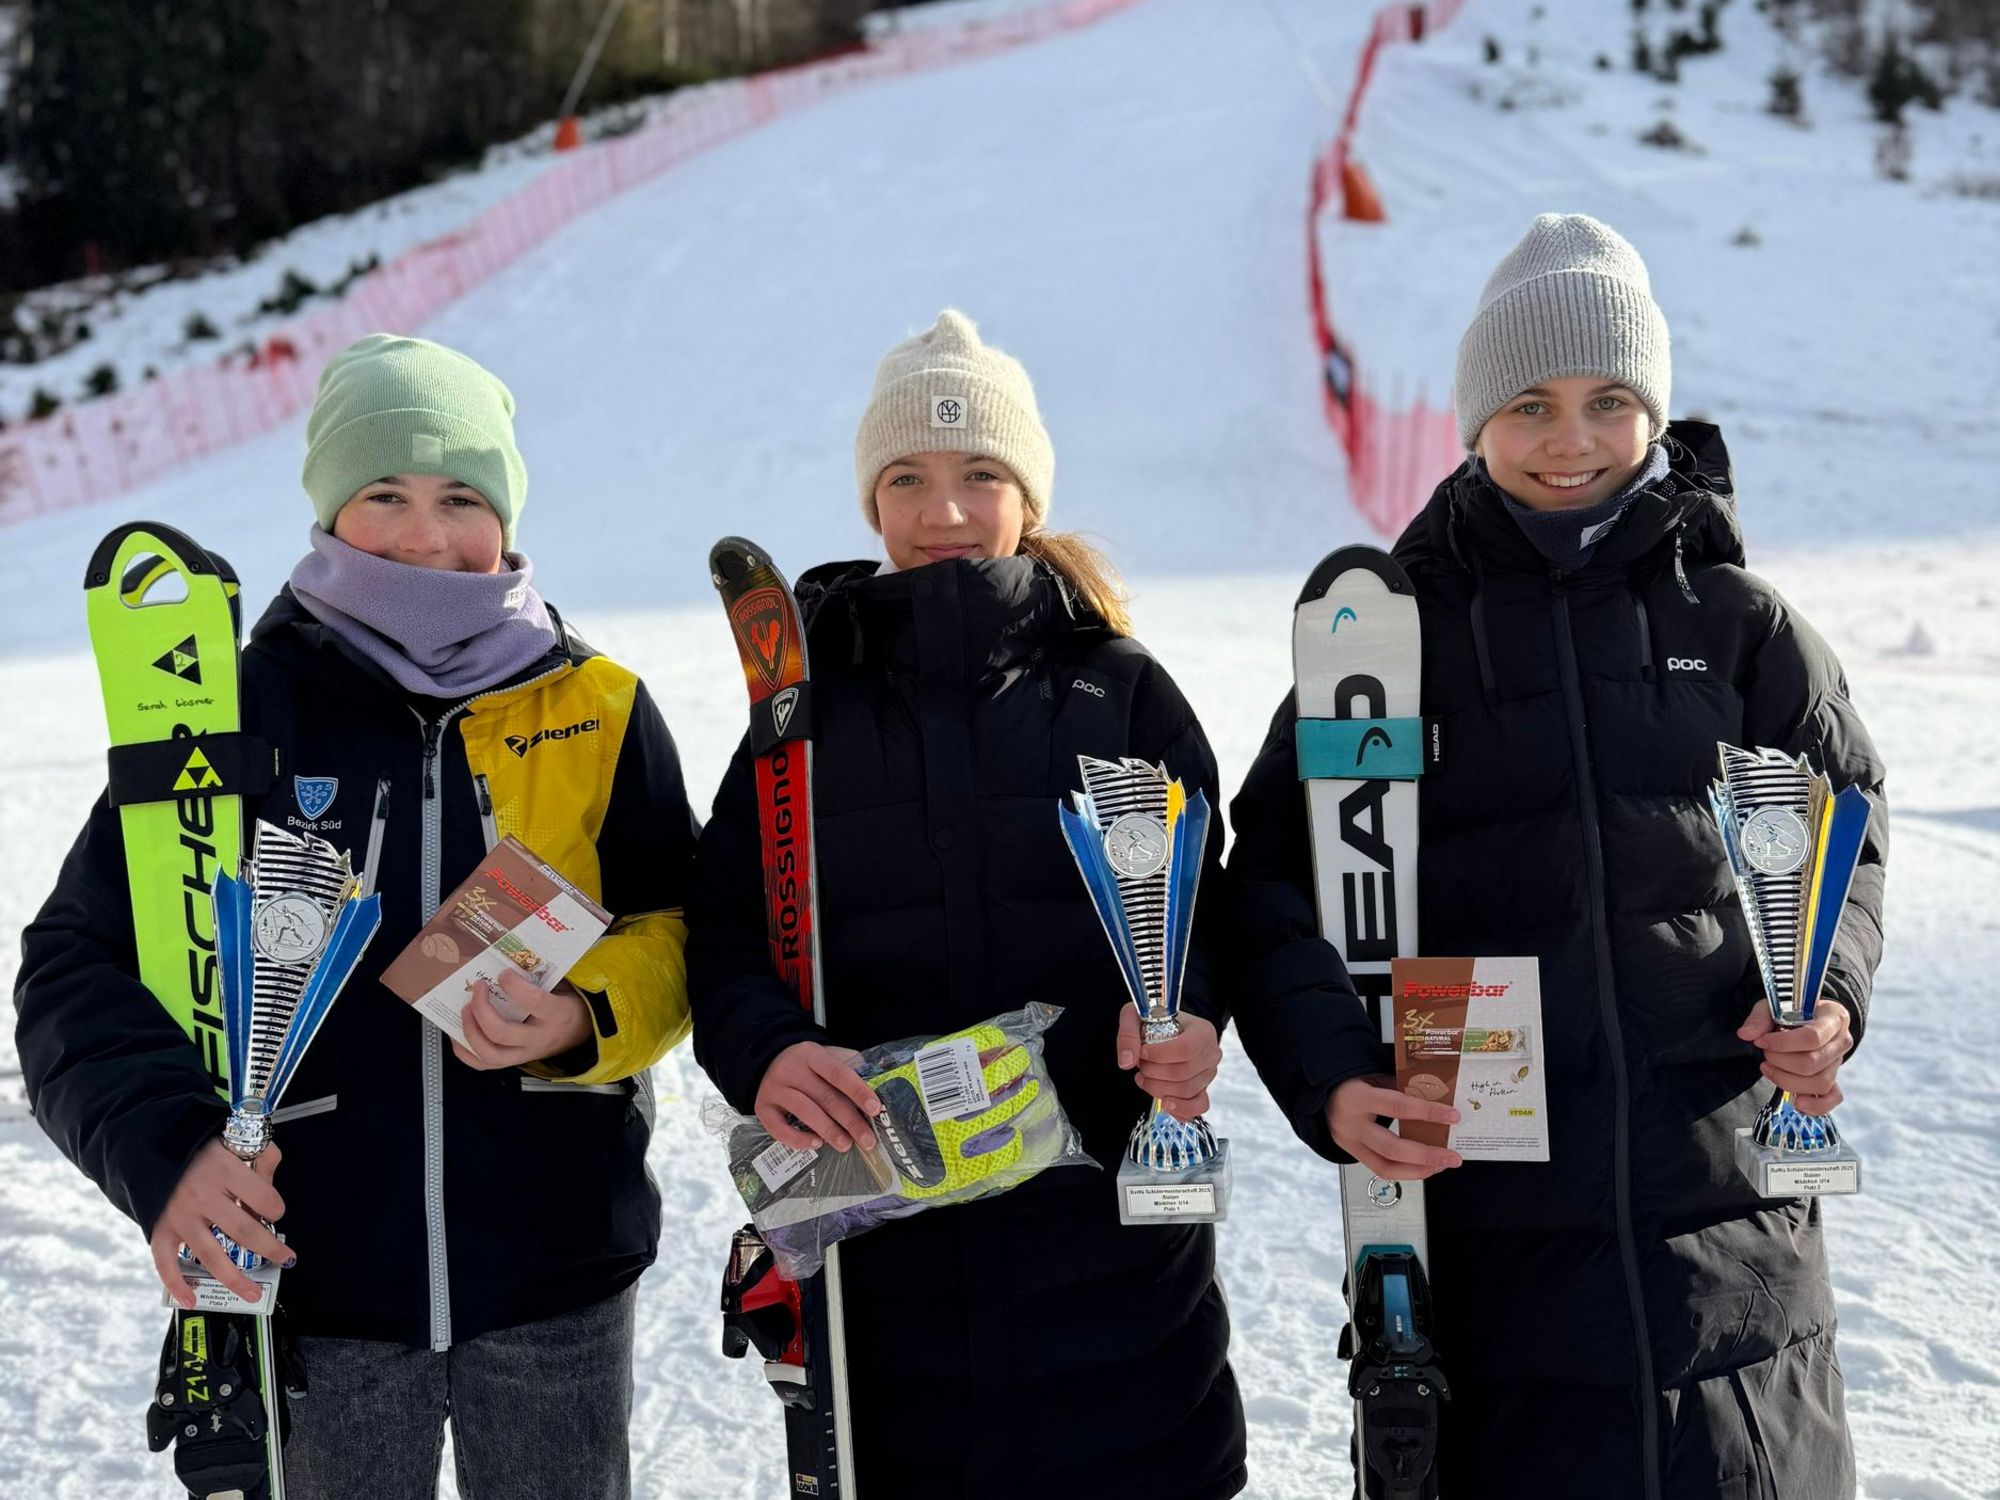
{"points": [[1633, 1316]]}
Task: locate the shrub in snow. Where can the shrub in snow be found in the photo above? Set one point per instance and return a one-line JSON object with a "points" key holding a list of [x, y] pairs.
{"points": [[1787, 101], [1899, 80], [103, 381], [1984, 185], [356, 269], [292, 291], [1667, 136], [198, 327]]}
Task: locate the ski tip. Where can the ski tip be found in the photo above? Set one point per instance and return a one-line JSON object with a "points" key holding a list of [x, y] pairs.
{"points": [[733, 559], [174, 547], [1346, 560]]}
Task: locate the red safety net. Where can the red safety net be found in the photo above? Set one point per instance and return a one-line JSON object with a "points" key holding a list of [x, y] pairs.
{"points": [[116, 443], [1398, 445]]}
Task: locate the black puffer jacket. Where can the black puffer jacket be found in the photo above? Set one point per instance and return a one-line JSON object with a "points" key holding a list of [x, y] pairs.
{"points": [[1025, 1343], [540, 1201], [1628, 1319]]}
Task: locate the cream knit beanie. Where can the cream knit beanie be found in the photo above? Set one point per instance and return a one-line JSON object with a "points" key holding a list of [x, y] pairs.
{"points": [[1572, 298], [945, 391]]}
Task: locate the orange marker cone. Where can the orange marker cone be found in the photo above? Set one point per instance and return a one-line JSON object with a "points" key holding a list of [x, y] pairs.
{"points": [[569, 135], [1359, 200]]}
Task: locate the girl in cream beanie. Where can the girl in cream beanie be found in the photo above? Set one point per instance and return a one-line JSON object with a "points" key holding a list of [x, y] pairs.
{"points": [[948, 391]]}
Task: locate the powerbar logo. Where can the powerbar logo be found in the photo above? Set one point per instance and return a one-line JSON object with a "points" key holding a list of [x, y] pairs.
{"points": [[1455, 991], [521, 744], [548, 920]]}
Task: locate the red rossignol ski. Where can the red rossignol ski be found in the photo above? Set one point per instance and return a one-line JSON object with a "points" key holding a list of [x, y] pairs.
{"points": [[796, 1326]]}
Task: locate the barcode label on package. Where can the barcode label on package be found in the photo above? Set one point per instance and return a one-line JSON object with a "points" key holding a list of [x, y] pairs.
{"points": [[778, 1163], [951, 1079]]}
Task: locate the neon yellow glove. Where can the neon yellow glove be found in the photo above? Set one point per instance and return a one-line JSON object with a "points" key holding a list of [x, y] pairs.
{"points": [[1016, 1132]]}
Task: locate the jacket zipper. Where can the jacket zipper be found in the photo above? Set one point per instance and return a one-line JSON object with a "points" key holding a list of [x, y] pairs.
{"points": [[483, 794], [1621, 1123], [433, 1069], [371, 867], [431, 896]]}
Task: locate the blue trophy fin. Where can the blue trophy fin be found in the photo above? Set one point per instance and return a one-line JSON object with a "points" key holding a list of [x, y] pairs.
{"points": [[234, 971], [1839, 857], [1085, 844]]}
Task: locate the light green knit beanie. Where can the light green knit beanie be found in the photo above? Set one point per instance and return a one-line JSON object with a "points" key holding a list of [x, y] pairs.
{"points": [[394, 405]]}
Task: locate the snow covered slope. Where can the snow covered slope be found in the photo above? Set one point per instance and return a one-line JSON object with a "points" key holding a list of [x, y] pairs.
{"points": [[1124, 209]]}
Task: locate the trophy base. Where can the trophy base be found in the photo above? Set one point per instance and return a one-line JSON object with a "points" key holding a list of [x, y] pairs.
{"points": [[1777, 1173], [211, 1296], [1182, 1195]]}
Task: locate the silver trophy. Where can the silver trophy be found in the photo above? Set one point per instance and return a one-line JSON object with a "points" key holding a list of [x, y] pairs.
{"points": [[1138, 841], [288, 933], [1793, 845]]}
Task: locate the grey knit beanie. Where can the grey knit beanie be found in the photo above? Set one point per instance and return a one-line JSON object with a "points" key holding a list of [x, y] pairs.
{"points": [[947, 391], [1572, 298], [394, 405]]}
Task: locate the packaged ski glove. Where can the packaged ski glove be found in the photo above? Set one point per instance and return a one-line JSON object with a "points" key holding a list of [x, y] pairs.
{"points": [[963, 1115]]}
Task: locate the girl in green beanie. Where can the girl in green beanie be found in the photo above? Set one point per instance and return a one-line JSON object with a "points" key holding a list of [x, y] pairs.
{"points": [[468, 1219]]}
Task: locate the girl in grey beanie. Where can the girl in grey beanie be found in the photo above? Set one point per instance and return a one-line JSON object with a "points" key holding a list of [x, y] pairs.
{"points": [[1563, 381], [1629, 1318]]}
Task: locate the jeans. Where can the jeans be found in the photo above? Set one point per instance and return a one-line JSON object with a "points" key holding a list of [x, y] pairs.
{"points": [[536, 1411]]}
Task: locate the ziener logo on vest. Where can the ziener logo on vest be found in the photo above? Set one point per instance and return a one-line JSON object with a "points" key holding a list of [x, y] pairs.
{"points": [[522, 744]]}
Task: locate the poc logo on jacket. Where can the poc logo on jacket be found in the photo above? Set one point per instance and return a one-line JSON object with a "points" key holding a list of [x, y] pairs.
{"points": [[521, 744], [1686, 664]]}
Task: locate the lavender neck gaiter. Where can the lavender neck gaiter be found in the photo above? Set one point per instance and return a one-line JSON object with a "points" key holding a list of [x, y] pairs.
{"points": [[439, 633]]}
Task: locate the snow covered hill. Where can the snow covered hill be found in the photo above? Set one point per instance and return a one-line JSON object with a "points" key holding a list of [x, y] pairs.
{"points": [[1124, 208]]}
